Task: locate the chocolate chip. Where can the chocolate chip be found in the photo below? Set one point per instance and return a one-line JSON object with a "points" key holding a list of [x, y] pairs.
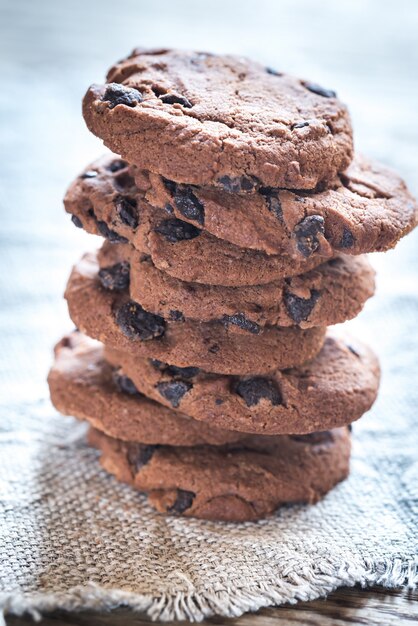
{"points": [[306, 233], [127, 210], [299, 308], [116, 165], [320, 91], [168, 209], [176, 316], [347, 239], [139, 455], [170, 185], [219, 401], [189, 205], [239, 319], [119, 94], [174, 390], [273, 202], [136, 323], [111, 235], [115, 277], [124, 181], [174, 370], [159, 365], [174, 230], [274, 72], [314, 438], [235, 185], [125, 384], [89, 174], [76, 221], [173, 98], [299, 125], [252, 390], [183, 501], [214, 348], [353, 351]]}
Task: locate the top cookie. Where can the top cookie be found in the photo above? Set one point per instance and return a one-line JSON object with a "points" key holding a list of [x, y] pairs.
{"points": [[227, 121]]}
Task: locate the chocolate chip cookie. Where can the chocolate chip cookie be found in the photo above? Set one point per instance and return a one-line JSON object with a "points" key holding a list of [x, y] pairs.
{"points": [[366, 209], [236, 482], [333, 389], [220, 120], [84, 385], [104, 200], [112, 317], [332, 293]]}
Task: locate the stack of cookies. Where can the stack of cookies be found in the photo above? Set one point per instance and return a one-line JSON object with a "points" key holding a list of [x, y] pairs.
{"points": [[235, 220]]}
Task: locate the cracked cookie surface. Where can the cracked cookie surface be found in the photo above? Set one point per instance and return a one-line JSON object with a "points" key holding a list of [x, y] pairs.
{"points": [[104, 200], [333, 389], [332, 293], [368, 208], [112, 317], [236, 482], [219, 120], [84, 385]]}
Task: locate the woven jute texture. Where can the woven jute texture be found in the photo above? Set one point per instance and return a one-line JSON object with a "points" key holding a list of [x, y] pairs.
{"points": [[72, 537]]}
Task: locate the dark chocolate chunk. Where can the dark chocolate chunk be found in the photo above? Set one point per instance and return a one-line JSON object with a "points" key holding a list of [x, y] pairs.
{"points": [[176, 316], [111, 235], [89, 174], [324, 436], [299, 308], [136, 323], [174, 390], [174, 370], [347, 239], [125, 384], [252, 390], [173, 98], [353, 351], [273, 202], [170, 185], [189, 205], [76, 221], [306, 233], [239, 319], [175, 230], [236, 185], [139, 455], [127, 209], [183, 501], [168, 209], [320, 91], [115, 277], [273, 72], [116, 165], [124, 181], [159, 365], [300, 125], [119, 94]]}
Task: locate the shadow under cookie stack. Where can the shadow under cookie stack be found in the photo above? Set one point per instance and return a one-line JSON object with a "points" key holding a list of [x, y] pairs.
{"points": [[235, 223]]}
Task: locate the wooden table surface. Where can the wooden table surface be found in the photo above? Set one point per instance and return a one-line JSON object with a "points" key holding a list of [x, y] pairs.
{"points": [[367, 50], [344, 607]]}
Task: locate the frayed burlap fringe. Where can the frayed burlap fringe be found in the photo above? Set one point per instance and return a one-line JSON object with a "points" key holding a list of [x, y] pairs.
{"points": [[197, 606]]}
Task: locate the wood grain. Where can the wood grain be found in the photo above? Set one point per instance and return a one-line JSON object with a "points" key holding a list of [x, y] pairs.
{"points": [[353, 606]]}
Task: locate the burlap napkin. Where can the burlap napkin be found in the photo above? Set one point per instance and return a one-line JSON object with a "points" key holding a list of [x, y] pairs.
{"points": [[72, 537]]}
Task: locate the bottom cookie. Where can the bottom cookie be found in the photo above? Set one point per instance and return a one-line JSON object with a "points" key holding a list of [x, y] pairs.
{"points": [[235, 482]]}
